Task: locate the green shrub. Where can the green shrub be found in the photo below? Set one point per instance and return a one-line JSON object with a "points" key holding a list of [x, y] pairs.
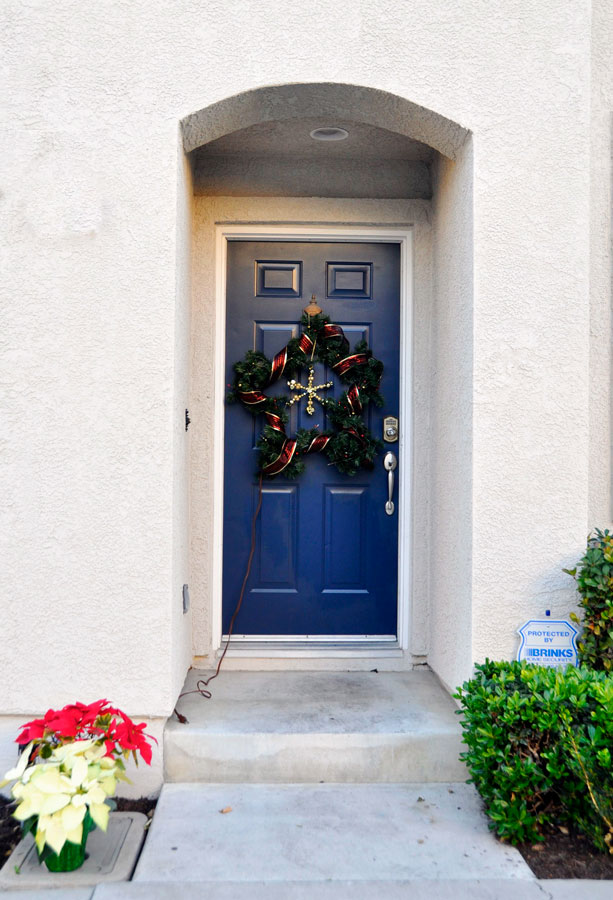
{"points": [[539, 748], [594, 577]]}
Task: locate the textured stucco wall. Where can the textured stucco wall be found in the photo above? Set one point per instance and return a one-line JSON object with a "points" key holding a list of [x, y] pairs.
{"points": [[601, 271], [289, 176], [451, 411], [181, 623], [88, 314], [532, 345], [92, 223]]}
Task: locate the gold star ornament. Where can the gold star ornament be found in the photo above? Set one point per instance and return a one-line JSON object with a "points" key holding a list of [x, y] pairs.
{"points": [[309, 389]]}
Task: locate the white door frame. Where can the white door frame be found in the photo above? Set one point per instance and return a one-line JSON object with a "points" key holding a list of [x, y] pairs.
{"points": [[342, 233]]}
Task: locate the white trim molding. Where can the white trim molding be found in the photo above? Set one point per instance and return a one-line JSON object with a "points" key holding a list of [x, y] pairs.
{"points": [[275, 646]]}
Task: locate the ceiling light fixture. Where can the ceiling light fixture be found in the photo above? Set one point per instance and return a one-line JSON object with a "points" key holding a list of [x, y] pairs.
{"points": [[329, 133]]}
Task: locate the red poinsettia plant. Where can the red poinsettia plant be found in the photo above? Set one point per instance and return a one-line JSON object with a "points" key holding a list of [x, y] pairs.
{"points": [[99, 722]]}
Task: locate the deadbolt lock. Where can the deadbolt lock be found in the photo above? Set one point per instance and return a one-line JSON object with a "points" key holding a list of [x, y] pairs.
{"points": [[390, 429]]}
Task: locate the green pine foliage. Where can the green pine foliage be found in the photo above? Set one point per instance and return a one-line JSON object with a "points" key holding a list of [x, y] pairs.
{"points": [[539, 749], [270, 445], [594, 577], [252, 372], [351, 446]]}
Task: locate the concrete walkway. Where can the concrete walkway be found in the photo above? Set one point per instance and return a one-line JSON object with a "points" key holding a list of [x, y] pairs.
{"points": [[325, 832], [333, 841]]}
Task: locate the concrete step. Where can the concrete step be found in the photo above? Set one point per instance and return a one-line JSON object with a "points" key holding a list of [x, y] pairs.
{"points": [[294, 834], [311, 727]]}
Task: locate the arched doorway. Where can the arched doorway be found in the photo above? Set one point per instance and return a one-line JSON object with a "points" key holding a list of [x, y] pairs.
{"points": [[257, 172], [284, 102]]}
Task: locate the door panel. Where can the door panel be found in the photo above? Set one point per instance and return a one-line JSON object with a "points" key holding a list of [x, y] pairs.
{"points": [[276, 539], [326, 552], [345, 520]]}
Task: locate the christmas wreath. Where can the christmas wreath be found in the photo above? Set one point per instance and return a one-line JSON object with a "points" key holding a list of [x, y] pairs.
{"points": [[348, 444]]}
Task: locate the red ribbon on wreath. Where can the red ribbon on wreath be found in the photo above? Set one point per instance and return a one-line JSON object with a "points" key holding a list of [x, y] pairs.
{"points": [[318, 443], [332, 331], [358, 359], [252, 398], [306, 344], [274, 421], [353, 396], [289, 446], [283, 459], [278, 365]]}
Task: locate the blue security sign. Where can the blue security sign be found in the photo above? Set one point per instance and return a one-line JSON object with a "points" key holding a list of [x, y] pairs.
{"points": [[548, 642]]}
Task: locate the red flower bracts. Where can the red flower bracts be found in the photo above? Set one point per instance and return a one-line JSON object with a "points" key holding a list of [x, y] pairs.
{"points": [[97, 721]]}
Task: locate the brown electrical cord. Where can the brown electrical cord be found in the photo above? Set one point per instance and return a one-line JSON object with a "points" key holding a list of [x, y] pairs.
{"points": [[203, 683]]}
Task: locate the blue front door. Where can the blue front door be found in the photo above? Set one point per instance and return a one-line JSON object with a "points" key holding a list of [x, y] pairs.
{"points": [[326, 559]]}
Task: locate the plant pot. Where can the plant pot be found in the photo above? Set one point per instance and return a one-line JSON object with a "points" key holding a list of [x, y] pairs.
{"points": [[71, 856]]}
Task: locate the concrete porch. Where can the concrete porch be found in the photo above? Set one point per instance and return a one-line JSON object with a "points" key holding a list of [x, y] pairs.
{"points": [[311, 727]]}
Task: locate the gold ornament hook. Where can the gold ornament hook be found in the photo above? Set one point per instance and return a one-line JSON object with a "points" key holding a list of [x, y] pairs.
{"points": [[312, 309]]}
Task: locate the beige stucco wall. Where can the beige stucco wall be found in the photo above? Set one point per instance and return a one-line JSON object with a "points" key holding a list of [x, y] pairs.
{"points": [[601, 271], [449, 600], [94, 213]]}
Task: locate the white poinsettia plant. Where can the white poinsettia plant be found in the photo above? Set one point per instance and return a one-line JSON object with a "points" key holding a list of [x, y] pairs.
{"points": [[69, 770], [66, 793]]}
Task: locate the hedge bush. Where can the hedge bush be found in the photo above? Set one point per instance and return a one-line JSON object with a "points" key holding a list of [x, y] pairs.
{"points": [[594, 577], [540, 742]]}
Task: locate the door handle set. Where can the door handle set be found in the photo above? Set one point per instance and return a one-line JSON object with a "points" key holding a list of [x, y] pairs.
{"points": [[389, 464]]}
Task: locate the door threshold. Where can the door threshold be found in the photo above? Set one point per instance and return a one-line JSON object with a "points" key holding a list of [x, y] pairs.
{"points": [[314, 649]]}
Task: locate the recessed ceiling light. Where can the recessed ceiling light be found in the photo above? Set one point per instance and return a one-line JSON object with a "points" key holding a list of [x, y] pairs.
{"points": [[329, 133]]}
